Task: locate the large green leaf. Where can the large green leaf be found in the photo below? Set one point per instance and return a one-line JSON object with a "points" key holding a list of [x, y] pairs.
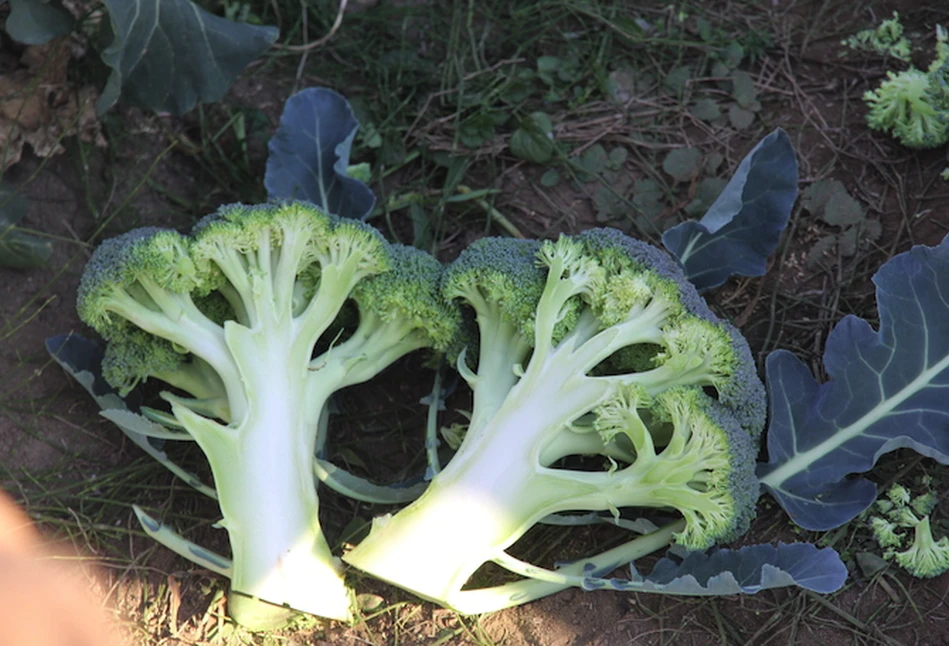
{"points": [[34, 22], [169, 54]]}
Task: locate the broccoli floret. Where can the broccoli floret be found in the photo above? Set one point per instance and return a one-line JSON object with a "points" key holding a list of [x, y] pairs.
{"points": [[926, 557], [912, 105], [899, 495], [903, 106], [900, 510], [885, 532], [887, 39], [592, 345], [924, 504], [230, 316]]}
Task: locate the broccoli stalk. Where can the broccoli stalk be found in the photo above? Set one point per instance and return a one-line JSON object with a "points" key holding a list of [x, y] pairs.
{"points": [[578, 303], [284, 273]]}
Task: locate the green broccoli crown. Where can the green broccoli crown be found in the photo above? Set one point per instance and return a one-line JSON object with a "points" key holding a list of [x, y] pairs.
{"points": [[926, 557], [690, 454], [290, 245], [409, 293], [498, 278], [135, 355], [691, 341], [912, 106], [133, 266]]}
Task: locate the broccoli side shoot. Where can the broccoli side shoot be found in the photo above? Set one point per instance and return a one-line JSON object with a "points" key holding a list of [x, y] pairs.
{"points": [[230, 317], [593, 348]]}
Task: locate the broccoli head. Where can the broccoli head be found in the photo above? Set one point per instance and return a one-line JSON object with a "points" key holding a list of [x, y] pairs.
{"points": [[241, 319], [594, 349]]}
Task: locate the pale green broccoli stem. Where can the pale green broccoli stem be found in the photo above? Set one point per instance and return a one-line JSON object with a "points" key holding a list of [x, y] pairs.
{"points": [[494, 488], [178, 320], [580, 442], [374, 344], [546, 582], [203, 383], [681, 370], [482, 502], [502, 348], [264, 463]]}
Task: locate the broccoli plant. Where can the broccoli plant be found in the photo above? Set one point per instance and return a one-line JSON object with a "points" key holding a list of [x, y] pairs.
{"points": [[230, 318], [593, 345]]}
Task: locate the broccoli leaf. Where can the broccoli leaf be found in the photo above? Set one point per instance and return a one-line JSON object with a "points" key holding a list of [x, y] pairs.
{"points": [[746, 570], [309, 155], [34, 22], [742, 228], [886, 391], [82, 360], [169, 54]]}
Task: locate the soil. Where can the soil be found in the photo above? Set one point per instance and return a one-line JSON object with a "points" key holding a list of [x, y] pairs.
{"points": [[56, 450]]}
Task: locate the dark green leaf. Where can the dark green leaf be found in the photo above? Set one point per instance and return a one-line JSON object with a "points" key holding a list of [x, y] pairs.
{"points": [[744, 225], [743, 89], [309, 155], [682, 163], [594, 159], [550, 178], [713, 161], [842, 210], [706, 110], [821, 253], [533, 141], [739, 117], [617, 158], [885, 390], [34, 22], [170, 54], [678, 78], [621, 85], [733, 54]]}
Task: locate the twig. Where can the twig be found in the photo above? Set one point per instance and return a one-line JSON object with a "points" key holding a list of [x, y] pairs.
{"points": [[337, 23]]}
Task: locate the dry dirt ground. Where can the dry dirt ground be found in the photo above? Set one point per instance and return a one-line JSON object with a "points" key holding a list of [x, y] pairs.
{"points": [[78, 477]]}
